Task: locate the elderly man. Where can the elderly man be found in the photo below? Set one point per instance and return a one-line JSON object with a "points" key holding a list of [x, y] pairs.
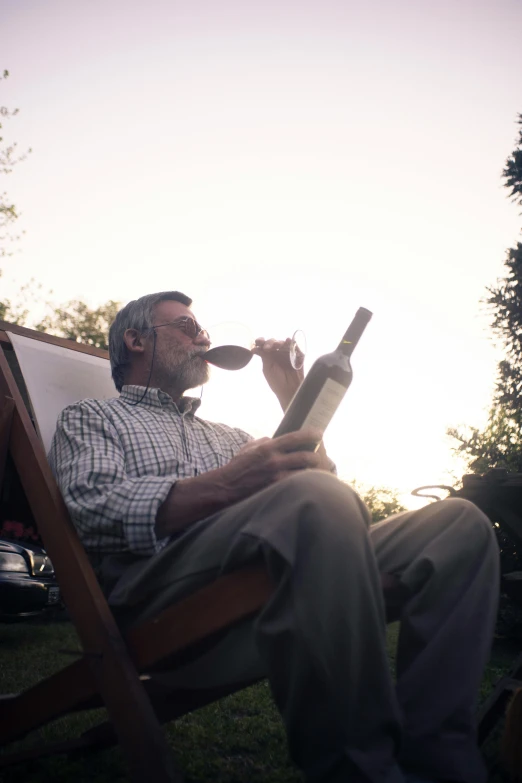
{"points": [[165, 501]]}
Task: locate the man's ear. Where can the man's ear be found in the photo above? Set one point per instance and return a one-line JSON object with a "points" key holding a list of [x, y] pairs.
{"points": [[134, 340]]}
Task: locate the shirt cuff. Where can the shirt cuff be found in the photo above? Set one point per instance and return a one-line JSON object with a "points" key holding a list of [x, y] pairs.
{"points": [[139, 522]]}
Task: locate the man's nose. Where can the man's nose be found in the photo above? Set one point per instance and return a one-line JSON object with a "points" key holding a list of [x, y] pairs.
{"points": [[202, 338]]}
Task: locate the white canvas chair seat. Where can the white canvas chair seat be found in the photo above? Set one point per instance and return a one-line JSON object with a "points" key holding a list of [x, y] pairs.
{"points": [[56, 377]]}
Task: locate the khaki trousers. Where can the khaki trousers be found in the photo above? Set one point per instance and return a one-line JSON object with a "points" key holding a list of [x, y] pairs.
{"points": [[320, 640]]}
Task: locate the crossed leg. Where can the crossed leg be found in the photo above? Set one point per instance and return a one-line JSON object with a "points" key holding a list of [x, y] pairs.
{"points": [[321, 637]]}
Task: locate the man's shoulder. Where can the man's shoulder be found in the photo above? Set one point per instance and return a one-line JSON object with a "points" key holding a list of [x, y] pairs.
{"points": [[89, 405], [84, 420]]}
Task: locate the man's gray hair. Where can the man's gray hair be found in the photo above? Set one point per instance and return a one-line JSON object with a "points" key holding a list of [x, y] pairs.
{"points": [[138, 314]]}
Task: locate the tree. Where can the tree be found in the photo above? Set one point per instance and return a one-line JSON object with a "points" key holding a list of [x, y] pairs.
{"points": [[382, 502], [505, 301], [76, 321], [512, 172], [9, 157], [499, 444], [73, 320]]}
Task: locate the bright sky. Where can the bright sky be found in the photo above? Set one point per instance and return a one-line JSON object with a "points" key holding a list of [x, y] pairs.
{"points": [[283, 163]]}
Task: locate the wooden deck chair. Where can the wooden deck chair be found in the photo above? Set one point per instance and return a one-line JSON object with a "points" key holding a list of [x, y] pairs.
{"points": [[51, 373]]}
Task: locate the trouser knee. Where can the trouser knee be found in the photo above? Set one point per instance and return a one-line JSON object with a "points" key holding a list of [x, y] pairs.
{"points": [[454, 542], [325, 505], [470, 529]]}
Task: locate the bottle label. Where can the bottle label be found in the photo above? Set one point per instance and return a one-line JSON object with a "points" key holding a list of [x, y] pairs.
{"points": [[325, 405]]}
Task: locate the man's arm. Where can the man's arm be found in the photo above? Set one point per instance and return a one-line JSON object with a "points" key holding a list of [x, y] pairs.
{"points": [[259, 464], [121, 512], [111, 510]]}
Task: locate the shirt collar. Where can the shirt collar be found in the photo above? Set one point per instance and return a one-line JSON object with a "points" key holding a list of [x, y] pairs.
{"points": [[156, 398]]}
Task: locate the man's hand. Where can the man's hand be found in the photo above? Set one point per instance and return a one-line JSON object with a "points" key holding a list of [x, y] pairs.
{"points": [[259, 464], [282, 378], [265, 461]]}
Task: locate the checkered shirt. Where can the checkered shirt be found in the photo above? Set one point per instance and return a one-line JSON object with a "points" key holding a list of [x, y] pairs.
{"points": [[115, 462]]}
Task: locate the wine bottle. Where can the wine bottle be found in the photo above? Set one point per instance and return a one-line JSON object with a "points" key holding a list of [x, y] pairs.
{"points": [[325, 385]]}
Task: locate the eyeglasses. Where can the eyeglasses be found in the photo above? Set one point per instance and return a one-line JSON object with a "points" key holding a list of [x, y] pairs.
{"points": [[188, 325]]}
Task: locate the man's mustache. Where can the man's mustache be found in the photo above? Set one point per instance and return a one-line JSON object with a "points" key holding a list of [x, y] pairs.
{"points": [[189, 356], [198, 352]]}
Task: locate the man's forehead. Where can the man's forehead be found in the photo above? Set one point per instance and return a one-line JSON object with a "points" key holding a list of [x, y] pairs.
{"points": [[169, 310]]}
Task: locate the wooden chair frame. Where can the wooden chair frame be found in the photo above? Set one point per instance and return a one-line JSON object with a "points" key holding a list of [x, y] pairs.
{"points": [[108, 673]]}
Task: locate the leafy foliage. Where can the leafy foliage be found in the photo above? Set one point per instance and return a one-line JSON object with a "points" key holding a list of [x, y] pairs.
{"points": [[512, 172], [499, 444], [505, 301], [382, 502], [18, 311], [76, 321], [9, 157]]}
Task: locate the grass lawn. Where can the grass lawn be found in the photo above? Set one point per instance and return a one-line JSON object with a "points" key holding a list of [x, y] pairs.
{"points": [[237, 740]]}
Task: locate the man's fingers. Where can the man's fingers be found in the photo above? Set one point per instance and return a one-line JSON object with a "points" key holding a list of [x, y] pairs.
{"points": [[293, 441], [298, 460], [277, 345], [253, 444], [271, 345]]}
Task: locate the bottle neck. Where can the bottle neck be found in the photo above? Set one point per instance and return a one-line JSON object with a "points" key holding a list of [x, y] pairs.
{"points": [[354, 331]]}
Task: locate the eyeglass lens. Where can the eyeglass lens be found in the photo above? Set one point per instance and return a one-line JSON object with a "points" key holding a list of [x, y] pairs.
{"points": [[192, 328]]}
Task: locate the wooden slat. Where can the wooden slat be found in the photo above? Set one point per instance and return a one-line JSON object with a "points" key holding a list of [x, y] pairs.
{"points": [[228, 600], [49, 338], [494, 707], [168, 707], [45, 749], [47, 700]]}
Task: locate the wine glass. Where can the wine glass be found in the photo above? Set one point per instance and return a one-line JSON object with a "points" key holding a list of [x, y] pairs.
{"points": [[231, 343], [298, 349], [234, 357]]}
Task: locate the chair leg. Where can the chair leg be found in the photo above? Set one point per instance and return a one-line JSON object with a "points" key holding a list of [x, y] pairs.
{"points": [[168, 706], [42, 750], [495, 705], [74, 688], [47, 700]]}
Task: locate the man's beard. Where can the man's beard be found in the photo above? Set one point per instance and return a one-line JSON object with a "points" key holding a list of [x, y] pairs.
{"points": [[180, 371]]}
